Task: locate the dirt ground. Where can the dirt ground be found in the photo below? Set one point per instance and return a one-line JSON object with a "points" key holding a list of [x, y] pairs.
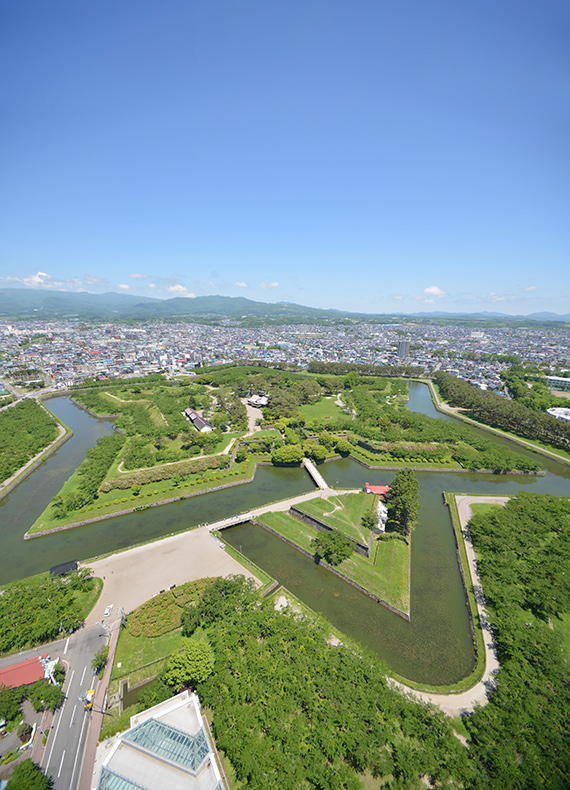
{"points": [[134, 576]]}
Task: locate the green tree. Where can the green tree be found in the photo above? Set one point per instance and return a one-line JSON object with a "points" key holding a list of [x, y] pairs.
{"points": [[193, 666], [100, 658], [315, 451], [343, 447], [333, 547], [44, 696], [288, 454], [29, 776], [225, 597], [404, 501]]}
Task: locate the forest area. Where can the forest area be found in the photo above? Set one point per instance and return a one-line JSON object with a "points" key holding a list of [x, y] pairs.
{"points": [[513, 416], [25, 430]]}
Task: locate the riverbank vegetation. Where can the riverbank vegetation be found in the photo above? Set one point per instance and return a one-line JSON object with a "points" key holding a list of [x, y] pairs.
{"points": [[40, 609], [511, 416], [25, 430], [520, 739]]}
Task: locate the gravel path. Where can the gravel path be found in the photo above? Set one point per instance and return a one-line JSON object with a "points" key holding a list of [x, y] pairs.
{"points": [[456, 704]]}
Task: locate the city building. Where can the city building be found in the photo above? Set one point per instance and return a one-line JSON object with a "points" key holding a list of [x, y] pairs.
{"points": [[403, 348]]}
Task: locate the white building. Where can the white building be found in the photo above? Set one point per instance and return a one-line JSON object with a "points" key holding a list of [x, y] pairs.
{"points": [[559, 412], [165, 748]]}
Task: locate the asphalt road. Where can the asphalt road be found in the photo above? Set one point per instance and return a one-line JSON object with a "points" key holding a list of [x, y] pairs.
{"points": [[64, 747], [63, 753]]}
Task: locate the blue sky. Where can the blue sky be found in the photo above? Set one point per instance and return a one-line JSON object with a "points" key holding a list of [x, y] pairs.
{"points": [[378, 156]]}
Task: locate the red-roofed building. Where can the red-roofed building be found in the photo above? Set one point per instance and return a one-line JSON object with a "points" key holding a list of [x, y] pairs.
{"points": [[23, 673], [381, 490]]}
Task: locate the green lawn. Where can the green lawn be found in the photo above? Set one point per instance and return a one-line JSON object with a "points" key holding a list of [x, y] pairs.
{"points": [[483, 507], [117, 501], [343, 513], [291, 528], [388, 578], [325, 409], [135, 653]]}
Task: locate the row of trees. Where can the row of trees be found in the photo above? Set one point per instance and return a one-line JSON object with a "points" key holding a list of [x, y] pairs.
{"points": [[343, 368], [90, 475], [404, 503], [520, 739], [25, 429], [510, 416]]}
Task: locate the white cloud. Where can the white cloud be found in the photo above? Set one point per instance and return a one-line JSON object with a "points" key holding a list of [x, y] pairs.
{"points": [[152, 286], [397, 297], [494, 297], [241, 285], [433, 290], [137, 276], [268, 285], [428, 301], [531, 288], [124, 286], [180, 290]]}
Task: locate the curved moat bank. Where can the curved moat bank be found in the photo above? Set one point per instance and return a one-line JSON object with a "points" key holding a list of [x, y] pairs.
{"points": [[21, 508], [435, 648]]}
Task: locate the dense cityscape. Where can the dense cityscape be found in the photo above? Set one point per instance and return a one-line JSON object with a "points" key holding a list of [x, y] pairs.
{"points": [[63, 353]]}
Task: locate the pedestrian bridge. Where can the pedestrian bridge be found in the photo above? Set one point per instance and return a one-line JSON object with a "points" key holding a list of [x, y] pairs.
{"points": [[315, 474]]}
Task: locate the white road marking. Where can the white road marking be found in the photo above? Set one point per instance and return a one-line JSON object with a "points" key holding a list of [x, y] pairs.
{"points": [[61, 763], [66, 646], [82, 676], [72, 715], [59, 722], [77, 753]]}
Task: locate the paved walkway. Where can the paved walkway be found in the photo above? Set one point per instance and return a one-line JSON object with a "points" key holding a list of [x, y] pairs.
{"points": [[456, 704], [132, 577]]}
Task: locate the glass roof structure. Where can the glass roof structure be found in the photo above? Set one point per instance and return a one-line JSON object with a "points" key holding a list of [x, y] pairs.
{"points": [[181, 748], [112, 781]]}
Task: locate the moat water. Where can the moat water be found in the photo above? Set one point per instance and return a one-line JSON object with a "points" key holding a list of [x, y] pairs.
{"points": [[434, 648]]}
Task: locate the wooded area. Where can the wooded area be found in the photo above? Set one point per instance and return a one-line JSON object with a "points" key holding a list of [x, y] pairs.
{"points": [[512, 416], [521, 738], [36, 612], [25, 430]]}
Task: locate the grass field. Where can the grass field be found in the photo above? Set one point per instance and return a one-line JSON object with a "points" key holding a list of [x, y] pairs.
{"points": [[118, 501], [388, 578], [343, 513], [325, 409]]}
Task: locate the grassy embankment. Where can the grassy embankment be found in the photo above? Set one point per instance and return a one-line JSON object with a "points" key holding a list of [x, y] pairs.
{"points": [[532, 444], [479, 669], [385, 573], [118, 501]]}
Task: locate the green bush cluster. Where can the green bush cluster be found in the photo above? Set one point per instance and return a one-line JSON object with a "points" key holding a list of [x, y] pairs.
{"points": [[163, 613]]}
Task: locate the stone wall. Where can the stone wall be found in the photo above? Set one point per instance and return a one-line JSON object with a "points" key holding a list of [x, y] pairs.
{"points": [[338, 573]]}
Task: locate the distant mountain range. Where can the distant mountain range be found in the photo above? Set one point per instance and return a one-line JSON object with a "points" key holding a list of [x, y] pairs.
{"points": [[27, 303]]}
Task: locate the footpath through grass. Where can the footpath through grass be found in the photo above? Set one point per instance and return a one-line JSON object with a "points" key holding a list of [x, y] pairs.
{"points": [[344, 513]]}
